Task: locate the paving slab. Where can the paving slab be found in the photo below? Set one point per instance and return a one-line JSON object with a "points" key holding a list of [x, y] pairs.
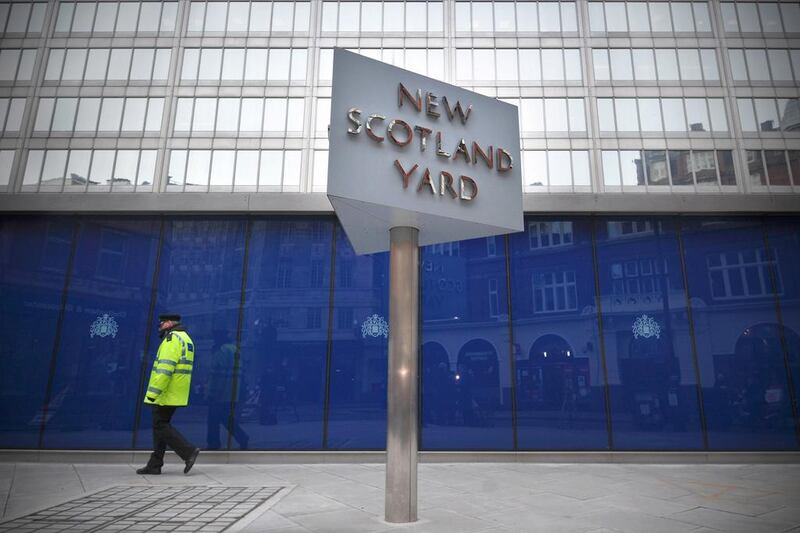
{"points": [[453, 498]]}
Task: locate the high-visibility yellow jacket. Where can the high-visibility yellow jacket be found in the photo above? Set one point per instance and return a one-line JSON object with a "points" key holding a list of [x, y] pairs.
{"points": [[171, 377]]}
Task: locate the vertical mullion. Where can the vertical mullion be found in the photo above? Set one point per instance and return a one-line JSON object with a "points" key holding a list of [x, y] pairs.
{"points": [[148, 331], [59, 327], [237, 354], [326, 409], [601, 337], [771, 266], [692, 333], [511, 356]]}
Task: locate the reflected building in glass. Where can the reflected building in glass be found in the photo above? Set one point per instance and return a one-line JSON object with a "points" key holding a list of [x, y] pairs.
{"points": [[171, 155]]}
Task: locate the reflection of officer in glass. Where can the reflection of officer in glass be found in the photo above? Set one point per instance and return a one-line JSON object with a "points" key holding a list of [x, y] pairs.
{"points": [[168, 389], [220, 383]]}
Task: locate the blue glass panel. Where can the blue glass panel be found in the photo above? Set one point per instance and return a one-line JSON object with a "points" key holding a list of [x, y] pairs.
{"points": [[100, 357], [34, 253], [466, 375], [200, 278], [784, 242], [559, 371], [745, 391], [358, 374], [651, 373], [284, 336]]}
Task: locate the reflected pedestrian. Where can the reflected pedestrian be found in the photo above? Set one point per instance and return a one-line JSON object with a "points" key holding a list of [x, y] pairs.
{"points": [[168, 389]]}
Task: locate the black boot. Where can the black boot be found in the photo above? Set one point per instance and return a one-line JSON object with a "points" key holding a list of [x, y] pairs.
{"points": [[149, 470], [190, 461]]}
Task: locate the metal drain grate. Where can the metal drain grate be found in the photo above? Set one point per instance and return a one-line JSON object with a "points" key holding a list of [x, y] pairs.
{"points": [[149, 508]]}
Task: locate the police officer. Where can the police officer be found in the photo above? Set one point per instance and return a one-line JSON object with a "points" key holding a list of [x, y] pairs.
{"points": [[167, 390]]}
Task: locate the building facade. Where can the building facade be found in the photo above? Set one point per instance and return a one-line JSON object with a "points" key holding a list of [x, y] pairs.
{"points": [[172, 156]]}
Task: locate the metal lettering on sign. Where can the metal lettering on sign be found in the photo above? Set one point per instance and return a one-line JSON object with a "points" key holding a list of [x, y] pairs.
{"points": [[456, 153], [104, 326]]}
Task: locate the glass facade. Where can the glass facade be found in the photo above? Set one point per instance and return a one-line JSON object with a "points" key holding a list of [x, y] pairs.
{"points": [[591, 330], [580, 333], [233, 96]]}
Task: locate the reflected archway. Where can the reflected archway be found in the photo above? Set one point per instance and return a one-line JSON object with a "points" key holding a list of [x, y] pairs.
{"points": [[553, 378], [751, 385], [438, 385], [477, 382]]}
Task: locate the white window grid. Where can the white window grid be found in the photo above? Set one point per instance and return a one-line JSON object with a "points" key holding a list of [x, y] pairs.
{"points": [[743, 271], [203, 170], [92, 116], [554, 291], [545, 235], [279, 65]]}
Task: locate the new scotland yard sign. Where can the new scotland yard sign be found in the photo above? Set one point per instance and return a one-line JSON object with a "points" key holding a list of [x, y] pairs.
{"points": [[408, 150]]}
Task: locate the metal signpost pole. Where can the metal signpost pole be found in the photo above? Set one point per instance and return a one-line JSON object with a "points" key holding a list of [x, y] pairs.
{"points": [[401, 434]]}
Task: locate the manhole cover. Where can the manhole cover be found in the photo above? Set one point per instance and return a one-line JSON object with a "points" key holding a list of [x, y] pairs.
{"points": [[149, 508]]}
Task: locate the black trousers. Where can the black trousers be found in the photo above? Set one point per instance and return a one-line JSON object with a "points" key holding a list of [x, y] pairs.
{"points": [[165, 435]]}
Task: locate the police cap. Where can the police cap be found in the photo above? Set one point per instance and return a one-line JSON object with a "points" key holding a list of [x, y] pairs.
{"points": [[169, 316]]}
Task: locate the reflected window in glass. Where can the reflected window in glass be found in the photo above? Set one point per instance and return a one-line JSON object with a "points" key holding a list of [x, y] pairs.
{"points": [[704, 165], [767, 114], [656, 165], [697, 114], [680, 164], [755, 167]]}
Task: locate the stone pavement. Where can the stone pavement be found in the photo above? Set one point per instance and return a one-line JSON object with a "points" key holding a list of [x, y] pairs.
{"points": [[455, 498]]}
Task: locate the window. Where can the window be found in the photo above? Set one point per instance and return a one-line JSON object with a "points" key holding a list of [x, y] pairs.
{"points": [[754, 64], [549, 234], [106, 17], [262, 170], [239, 64], [108, 64], [22, 17], [646, 17], [554, 291], [647, 64], [494, 300], [741, 274], [46, 170], [16, 65]]}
